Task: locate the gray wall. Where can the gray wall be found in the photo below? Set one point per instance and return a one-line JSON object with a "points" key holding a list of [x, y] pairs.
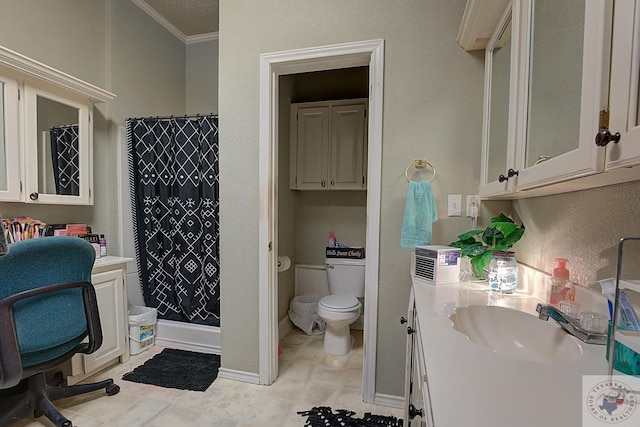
{"points": [[202, 77], [432, 108]]}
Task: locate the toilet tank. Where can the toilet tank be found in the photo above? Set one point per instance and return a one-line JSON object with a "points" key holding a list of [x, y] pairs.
{"points": [[345, 276]]}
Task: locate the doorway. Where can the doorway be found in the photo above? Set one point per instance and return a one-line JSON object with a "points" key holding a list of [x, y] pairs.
{"points": [[359, 54]]}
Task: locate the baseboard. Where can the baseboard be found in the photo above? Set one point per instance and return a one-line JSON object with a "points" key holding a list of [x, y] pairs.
{"points": [[245, 377], [284, 327], [188, 336], [388, 400]]}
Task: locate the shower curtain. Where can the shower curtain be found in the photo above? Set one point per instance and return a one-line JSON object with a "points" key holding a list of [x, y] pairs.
{"points": [[173, 170], [64, 158]]}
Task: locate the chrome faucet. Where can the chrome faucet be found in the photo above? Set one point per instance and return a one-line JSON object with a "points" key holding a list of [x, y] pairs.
{"points": [[570, 324]]}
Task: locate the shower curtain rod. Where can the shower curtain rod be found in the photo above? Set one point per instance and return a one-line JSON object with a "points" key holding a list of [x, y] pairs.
{"points": [[185, 116]]}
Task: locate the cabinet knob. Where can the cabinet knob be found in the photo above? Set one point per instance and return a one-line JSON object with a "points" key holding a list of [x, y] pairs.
{"points": [[323, 183], [333, 182], [502, 178], [413, 411], [604, 136], [512, 172], [410, 330], [403, 320], [33, 196]]}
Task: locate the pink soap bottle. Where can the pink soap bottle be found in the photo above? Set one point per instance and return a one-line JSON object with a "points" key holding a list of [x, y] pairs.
{"points": [[561, 288], [332, 240]]}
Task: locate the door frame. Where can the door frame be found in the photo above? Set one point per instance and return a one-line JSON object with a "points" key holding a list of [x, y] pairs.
{"points": [[273, 65]]}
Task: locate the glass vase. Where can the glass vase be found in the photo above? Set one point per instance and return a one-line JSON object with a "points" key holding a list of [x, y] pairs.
{"points": [[503, 272]]}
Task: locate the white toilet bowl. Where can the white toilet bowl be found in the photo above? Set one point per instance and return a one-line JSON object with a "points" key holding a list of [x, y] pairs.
{"points": [[338, 311]]}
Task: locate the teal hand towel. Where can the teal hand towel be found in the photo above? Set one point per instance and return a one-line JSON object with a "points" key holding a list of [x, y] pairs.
{"points": [[419, 214]]}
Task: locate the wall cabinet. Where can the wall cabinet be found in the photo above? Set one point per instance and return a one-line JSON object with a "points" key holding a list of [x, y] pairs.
{"points": [[417, 403], [328, 143], [549, 93], [109, 281], [46, 133]]}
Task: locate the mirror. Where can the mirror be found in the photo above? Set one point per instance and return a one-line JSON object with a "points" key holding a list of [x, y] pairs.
{"points": [[555, 79], [58, 147], [499, 102]]}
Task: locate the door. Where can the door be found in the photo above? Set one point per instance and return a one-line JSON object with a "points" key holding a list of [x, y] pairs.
{"points": [[346, 163]]}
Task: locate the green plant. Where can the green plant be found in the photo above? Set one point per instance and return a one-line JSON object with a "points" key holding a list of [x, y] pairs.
{"points": [[501, 233]]}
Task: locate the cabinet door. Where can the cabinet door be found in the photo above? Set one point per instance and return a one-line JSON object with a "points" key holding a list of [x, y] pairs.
{"points": [[625, 78], [346, 152], [10, 155], [566, 52], [109, 288], [58, 148], [500, 98], [312, 148]]}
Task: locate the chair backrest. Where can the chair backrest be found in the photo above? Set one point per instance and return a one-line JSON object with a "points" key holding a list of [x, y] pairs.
{"points": [[44, 321]]}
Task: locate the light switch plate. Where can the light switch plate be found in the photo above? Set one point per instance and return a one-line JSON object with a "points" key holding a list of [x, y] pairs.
{"points": [[454, 205]]}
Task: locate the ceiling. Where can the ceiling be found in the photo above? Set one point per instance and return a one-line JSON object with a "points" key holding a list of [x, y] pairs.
{"points": [[189, 17]]}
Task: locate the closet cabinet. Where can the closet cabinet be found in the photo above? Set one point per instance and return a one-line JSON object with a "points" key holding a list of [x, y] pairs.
{"points": [[417, 403], [544, 94], [46, 133], [328, 145], [108, 278]]}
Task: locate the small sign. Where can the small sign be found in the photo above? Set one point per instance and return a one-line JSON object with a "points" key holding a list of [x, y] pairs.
{"points": [[353, 253]]}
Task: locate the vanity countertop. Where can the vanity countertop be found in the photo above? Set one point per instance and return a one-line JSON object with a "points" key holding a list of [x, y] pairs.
{"points": [[473, 386]]}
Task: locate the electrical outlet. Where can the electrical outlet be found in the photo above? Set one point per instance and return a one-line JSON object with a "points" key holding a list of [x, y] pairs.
{"points": [[470, 199], [454, 205]]}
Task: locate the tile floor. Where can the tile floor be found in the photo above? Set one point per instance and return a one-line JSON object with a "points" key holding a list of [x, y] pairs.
{"points": [[308, 377]]}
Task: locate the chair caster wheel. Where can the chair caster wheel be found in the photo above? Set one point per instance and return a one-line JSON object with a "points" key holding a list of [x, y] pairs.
{"points": [[66, 424], [112, 389]]}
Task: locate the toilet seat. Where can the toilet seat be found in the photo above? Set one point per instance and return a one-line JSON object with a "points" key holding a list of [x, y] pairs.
{"points": [[339, 303]]}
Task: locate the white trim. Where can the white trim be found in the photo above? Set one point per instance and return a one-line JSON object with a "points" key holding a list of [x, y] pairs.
{"points": [[198, 38], [272, 66], [389, 400], [160, 19], [284, 327], [188, 336], [245, 377], [32, 68]]}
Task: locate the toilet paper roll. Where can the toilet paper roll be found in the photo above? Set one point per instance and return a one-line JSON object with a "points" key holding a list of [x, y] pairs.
{"points": [[284, 263]]}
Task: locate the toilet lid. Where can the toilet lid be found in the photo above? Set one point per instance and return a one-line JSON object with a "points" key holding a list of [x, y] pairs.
{"points": [[340, 302]]}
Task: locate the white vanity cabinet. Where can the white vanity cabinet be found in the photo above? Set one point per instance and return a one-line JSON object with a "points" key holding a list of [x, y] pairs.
{"points": [[417, 403], [543, 96], [109, 280], [46, 133], [328, 141]]}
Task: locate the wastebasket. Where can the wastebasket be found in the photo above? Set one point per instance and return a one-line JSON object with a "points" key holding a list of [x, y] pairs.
{"points": [[302, 312], [142, 328]]}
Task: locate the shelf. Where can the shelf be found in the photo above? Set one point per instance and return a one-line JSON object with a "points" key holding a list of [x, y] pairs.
{"points": [[633, 285], [629, 338]]}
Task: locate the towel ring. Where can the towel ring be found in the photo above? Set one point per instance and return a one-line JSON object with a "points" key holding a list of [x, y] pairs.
{"points": [[419, 164]]}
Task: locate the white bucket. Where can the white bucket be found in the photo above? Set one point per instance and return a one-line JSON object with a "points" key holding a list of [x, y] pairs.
{"points": [[142, 328]]}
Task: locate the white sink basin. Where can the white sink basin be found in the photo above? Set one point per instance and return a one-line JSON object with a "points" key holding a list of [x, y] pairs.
{"points": [[515, 334]]}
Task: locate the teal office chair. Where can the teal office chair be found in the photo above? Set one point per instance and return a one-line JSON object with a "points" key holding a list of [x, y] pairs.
{"points": [[48, 313]]}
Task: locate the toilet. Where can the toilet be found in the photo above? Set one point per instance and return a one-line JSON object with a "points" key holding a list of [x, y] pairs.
{"points": [[341, 307]]}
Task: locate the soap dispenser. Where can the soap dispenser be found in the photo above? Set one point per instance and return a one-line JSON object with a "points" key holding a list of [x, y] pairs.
{"points": [[561, 288], [332, 240]]}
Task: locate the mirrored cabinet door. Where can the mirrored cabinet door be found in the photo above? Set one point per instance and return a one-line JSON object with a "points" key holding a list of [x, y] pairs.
{"points": [[624, 100], [498, 132], [566, 52], [9, 143], [57, 150]]}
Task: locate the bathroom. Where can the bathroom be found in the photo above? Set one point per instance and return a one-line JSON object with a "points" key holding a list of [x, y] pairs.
{"points": [[432, 108]]}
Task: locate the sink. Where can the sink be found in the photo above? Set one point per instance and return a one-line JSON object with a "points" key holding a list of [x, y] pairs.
{"points": [[515, 334]]}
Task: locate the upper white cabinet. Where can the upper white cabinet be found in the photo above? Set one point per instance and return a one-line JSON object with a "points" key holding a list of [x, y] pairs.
{"points": [[328, 145], [546, 82], [46, 133]]}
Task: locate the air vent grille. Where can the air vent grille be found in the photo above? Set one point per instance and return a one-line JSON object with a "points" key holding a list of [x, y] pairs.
{"points": [[425, 268]]}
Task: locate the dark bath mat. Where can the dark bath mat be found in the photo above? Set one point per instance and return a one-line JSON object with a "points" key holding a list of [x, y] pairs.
{"points": [[171, 368], [323, 416]]}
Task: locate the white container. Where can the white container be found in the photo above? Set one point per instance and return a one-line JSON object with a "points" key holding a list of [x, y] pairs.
{"points": [[142, 328]]}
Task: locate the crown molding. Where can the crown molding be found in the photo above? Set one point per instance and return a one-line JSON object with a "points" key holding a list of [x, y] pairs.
{"points": [[160, 19], [203, 37]]}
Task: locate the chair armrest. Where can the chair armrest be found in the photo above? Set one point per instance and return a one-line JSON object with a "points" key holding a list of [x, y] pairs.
{"points": [[10, 361]]}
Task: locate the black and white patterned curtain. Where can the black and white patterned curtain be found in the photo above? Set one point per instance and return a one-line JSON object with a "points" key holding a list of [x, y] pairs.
{"points": [[64, 157], [173, 169]]}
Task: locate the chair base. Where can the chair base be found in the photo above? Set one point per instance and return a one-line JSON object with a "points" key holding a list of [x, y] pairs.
{"points": [[34, 394]]}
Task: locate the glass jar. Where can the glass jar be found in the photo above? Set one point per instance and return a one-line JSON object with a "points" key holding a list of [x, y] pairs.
{"points": [[503, 272]]}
